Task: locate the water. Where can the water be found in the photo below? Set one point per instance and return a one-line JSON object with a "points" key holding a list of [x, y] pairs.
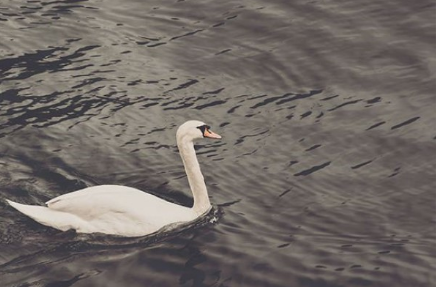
{"points": [[325, 173]]}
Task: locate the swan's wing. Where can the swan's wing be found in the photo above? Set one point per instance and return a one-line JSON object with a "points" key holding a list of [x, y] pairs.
{"points": [[119, 210], [98, 201], [118, 201], [95, 190]]}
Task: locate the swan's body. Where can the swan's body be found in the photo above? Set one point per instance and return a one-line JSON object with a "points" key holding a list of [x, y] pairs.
{"points": [[126, 211]]}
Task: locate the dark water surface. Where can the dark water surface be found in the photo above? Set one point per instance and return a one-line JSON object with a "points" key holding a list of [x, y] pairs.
{"points": [[326, 172]]}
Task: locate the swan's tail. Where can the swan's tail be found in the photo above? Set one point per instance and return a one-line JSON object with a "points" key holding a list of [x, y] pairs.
{"points": [[46, 216]]}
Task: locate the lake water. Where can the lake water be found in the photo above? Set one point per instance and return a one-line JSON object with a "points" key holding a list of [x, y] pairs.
{"points": [[325, 176]]}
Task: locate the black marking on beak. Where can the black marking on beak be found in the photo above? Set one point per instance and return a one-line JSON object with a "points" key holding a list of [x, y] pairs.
{"points": [[203, 128]]}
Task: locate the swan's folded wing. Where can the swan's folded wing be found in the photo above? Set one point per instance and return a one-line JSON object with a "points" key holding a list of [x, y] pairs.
{"points": [[95, 202], [119, 210]]}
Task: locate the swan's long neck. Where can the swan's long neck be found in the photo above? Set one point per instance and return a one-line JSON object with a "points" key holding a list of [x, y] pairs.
{"points": [[195, 177]]}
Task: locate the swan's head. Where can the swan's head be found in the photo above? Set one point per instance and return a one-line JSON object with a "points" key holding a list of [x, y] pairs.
{"points": [[192, 130]]}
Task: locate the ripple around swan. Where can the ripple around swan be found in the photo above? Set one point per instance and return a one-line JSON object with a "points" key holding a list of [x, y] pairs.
{"points": [[324, 175]]}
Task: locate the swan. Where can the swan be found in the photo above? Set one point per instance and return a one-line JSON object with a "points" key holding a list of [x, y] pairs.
{"points": [[126, 211]]}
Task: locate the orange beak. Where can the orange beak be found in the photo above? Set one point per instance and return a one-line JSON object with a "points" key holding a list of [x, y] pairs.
{"points": [[210, 134]]}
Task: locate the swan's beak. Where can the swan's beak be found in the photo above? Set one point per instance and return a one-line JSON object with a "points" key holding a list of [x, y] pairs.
{"points": [[210, 134]]}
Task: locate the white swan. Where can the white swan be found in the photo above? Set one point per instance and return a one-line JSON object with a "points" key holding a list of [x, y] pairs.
{"points": [[126, 211]]}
